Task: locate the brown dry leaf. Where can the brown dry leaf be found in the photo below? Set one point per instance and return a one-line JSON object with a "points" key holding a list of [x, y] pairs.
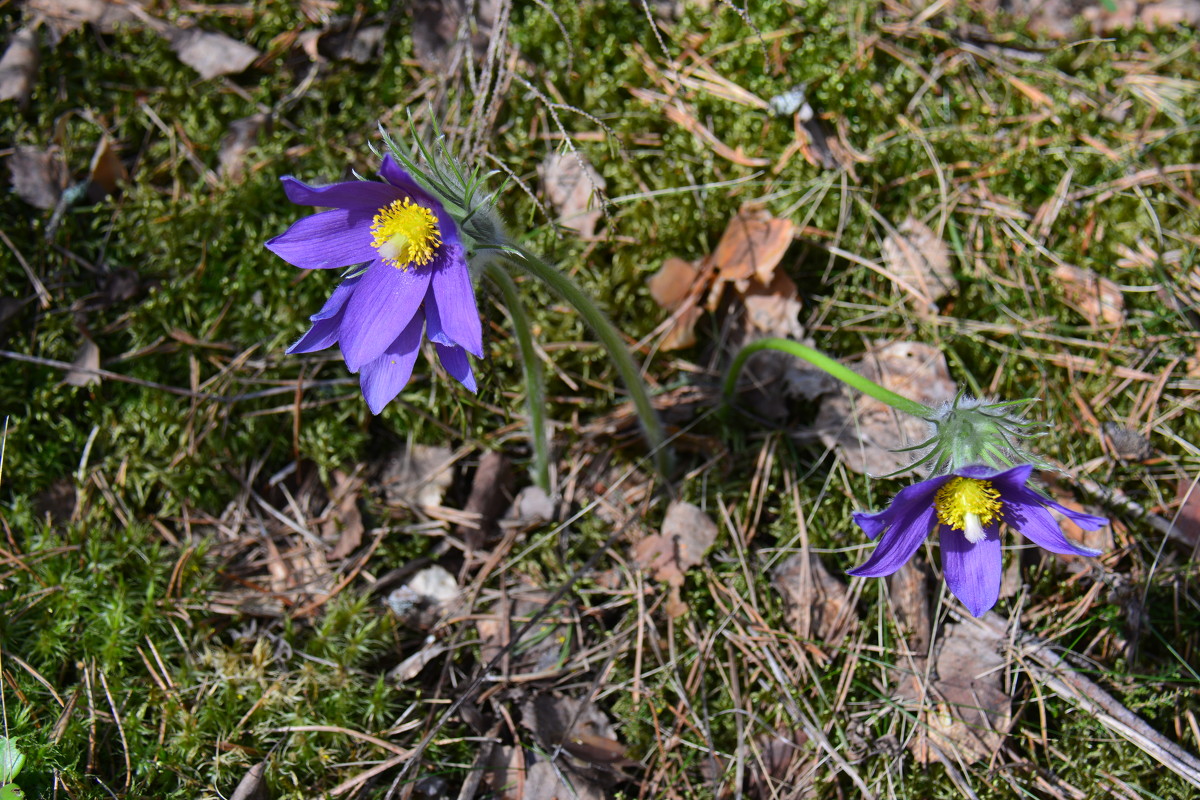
{"points": [[771, 775], [210, 54], [491, 489], [752, 246], [38, 176], [866, 432], [584, 740], [674, 282], [818, 602], [343, 40], [106, 171], [18, 66], [344, 523], [87, 358], [773, 309], [910, 589], [677, 288], [575, 190], [235, 145], [920, 261], [253, 784], [437, 26], [1096, 298], [970, 712], [65, 16], [687, 533], [417, 476], [1187, 514], [544, 649]]}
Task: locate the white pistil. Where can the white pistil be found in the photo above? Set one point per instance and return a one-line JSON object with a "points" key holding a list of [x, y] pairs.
{"points": [[973, 528]]}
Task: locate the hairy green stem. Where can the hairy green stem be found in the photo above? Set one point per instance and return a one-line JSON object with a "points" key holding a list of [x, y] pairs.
{"points": [[611, 340], [834, 368], [535, 385]]}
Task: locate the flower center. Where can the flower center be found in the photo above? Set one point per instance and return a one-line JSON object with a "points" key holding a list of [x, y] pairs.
{"points": [[967, 504], [405, 233]]}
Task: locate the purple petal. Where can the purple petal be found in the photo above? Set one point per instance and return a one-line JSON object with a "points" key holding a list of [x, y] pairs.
{"points": [[1026, 513], [1009, 480], [400, 178], [384, 378], [454, 359], [897, 546], [360, 195], [327, 240], [918, 494], [458, 316], [327, 321], [385, 302], [973, 571]]}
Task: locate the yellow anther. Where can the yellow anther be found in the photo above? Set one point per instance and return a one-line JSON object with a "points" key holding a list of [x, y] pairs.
{"points": [[967, 504], [405, 233]]}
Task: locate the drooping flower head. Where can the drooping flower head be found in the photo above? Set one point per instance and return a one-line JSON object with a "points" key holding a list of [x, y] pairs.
{"points": [[413, 278], [967, 508]]}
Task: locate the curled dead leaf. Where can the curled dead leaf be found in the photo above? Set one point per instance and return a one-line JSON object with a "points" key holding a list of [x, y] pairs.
{"points": [[87, 361], [18, 66]]}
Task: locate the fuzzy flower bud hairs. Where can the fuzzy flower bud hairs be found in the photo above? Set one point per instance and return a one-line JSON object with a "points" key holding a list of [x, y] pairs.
{"points": [[981, 473], [414, 244]]}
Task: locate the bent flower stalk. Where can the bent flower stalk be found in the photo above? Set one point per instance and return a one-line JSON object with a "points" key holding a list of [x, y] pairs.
{"points": [[967, 507], [415, 280]]}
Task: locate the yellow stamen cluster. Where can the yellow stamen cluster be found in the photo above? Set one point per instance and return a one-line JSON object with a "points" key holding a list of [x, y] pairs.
{"points": [[967, 504], [405, 233]]}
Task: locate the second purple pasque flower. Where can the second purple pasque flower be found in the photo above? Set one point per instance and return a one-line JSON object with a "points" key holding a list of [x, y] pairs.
{"points": [[416, 280], [966, 508]]}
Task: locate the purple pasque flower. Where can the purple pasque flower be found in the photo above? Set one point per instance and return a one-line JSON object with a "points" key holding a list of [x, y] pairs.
{"points": [[415, 281], [966, 507]]}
